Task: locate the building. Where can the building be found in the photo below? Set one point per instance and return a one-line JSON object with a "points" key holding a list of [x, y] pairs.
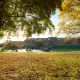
{"points": [[45, 42]]}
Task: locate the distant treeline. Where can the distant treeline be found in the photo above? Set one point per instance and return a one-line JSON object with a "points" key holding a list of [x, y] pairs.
{"points": [[39, 46], [66, 46]]}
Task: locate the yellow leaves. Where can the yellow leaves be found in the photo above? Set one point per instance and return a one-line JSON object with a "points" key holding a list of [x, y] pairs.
{"points": [[69, 5], [71, 15], [66, 4]]}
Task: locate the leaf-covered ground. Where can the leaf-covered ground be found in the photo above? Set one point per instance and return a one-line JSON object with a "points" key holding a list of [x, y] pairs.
{"points": [[40, 66]]}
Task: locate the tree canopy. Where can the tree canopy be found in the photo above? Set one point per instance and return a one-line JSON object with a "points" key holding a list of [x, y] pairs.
{"points": [[31, 15], [70, 15]]}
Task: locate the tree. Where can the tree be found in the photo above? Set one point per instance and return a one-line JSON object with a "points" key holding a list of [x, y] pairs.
{"points": [[70, 18], [10, 46], [39, 44], [31, 15]]}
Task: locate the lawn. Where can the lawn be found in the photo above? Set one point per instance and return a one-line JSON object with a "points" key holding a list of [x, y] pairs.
{"points": [[40, 66]]}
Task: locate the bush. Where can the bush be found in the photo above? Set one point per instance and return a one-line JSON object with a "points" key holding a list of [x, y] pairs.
{"points": [[65, 46]]}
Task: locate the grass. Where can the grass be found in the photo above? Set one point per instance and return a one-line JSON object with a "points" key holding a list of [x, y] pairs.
{"points": [[40, 66]]}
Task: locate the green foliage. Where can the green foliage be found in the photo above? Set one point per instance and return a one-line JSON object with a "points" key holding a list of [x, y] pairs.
{"points": [[39, 44], [1, 34], [66, 47], [10, 46], [33, 16]]}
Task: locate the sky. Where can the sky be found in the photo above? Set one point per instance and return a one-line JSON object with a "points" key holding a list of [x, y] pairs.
{"points": [[55, 21]]}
